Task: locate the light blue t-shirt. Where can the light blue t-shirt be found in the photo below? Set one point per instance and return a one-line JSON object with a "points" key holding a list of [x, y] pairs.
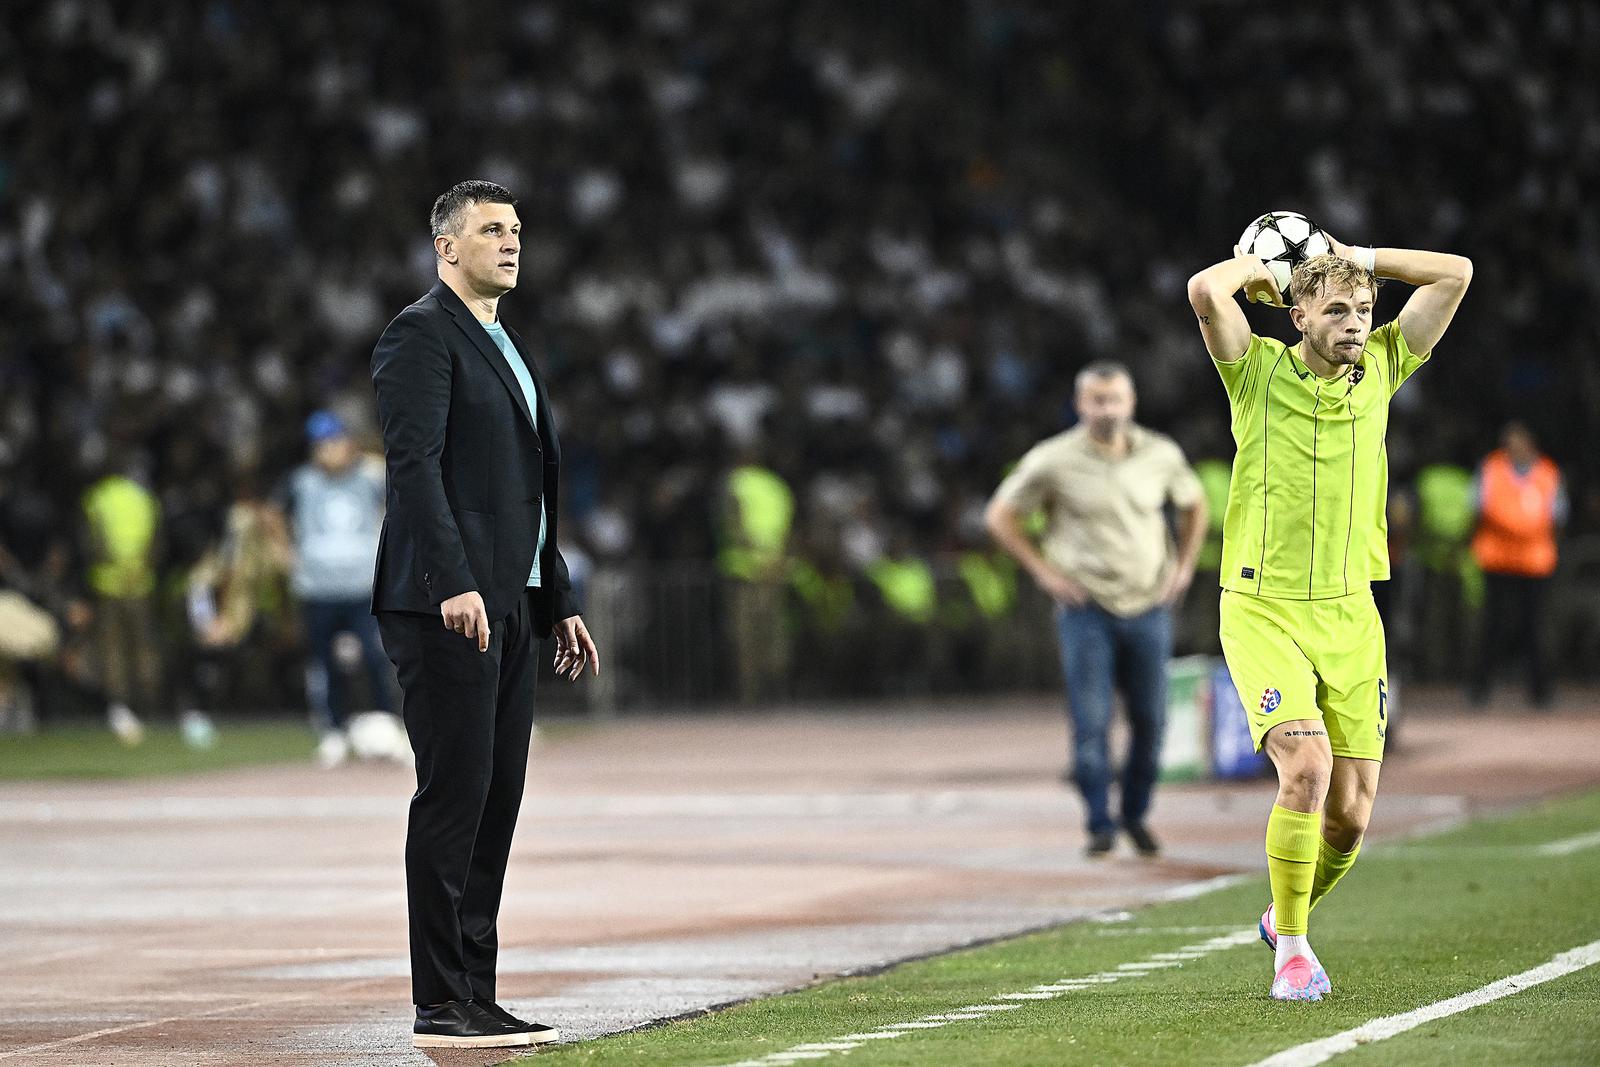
{"points": [[335, 518], [497, 334]]}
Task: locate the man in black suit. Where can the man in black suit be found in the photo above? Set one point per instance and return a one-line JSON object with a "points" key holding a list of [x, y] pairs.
{"points": [[468, 575]]}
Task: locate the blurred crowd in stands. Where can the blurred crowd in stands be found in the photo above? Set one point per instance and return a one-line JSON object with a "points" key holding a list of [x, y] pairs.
{"points": [[855, 251]]}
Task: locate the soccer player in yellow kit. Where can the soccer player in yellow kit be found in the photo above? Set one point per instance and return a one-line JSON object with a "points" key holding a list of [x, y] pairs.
{"points": [[1303, 536]]}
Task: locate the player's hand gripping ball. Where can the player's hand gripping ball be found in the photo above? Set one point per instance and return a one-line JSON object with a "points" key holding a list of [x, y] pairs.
{"points": [[1282, 240]]}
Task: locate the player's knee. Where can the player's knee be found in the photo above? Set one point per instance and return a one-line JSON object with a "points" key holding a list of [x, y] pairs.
{"points": [[1304, 775], [1344, 824], [1343, 836], [1307, 780]]}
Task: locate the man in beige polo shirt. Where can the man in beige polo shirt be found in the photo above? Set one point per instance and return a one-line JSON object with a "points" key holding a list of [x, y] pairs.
{"points": [[1109, 562]]}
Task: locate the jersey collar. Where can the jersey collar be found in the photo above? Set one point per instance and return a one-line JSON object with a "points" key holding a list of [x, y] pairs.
{"points": [[1351, 377]]}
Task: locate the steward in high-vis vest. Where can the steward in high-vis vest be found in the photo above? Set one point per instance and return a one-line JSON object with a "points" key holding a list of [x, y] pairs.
{"points": [[1517, 516], [757, 516], [122, 520], [1521, 504]]}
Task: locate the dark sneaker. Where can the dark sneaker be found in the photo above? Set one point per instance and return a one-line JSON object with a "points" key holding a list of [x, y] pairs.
{"points": [[1143, 840], [463, 1024], [1100, 844], [538, 1033]]}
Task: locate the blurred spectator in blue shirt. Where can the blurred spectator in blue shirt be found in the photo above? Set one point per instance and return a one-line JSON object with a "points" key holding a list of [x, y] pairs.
{"points": [[335, 510]]}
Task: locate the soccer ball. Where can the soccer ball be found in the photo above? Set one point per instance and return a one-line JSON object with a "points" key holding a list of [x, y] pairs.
{"points": [[1283, 240]]}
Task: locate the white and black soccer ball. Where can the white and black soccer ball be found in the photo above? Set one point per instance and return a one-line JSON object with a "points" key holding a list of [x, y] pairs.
{"points": [[1282, 240]]}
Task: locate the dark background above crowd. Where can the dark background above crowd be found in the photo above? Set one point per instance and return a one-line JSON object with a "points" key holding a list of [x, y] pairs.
{"points": [[866, 244]]}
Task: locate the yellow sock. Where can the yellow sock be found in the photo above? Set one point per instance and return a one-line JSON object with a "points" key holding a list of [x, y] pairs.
{"points": [[1331, 866], [1292, 840]]}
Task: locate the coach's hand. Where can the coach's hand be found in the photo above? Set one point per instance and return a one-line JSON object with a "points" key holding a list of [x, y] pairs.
{"points": [[575, 649], [1060, 588], [464, 613]]}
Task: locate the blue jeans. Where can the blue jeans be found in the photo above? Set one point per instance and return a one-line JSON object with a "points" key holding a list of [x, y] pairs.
{"points": [[325, 689], [1100, 651]]}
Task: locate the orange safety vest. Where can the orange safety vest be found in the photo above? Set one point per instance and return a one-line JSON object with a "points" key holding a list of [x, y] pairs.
{"points": [[1516, 523]]}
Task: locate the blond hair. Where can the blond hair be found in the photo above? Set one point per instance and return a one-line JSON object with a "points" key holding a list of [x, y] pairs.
{"points": [[1319, 275]]}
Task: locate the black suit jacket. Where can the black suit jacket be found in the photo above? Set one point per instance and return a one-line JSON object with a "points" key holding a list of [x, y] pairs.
{"points": [[468, 472]]}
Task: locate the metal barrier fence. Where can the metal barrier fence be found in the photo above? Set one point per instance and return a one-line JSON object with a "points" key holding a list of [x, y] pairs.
{"points": [[684, 635], [688, 635]]}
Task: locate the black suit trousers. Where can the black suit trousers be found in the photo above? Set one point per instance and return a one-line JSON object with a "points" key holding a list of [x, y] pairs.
{"points": [[470, 717]]}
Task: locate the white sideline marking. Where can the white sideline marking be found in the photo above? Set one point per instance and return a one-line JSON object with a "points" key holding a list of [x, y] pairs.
{"points": [[816, 1050], [1315, 1052], [1122, 931], [1191, 890], [1568, 846]]}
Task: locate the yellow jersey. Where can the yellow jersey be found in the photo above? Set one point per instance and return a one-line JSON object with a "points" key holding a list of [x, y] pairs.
{"points": [[1306, 504]]}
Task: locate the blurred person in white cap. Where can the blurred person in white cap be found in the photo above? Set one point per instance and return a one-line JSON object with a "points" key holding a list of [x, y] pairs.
{"points": [[334, 505]]}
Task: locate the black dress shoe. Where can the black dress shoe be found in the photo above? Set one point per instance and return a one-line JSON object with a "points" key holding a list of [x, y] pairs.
{"points": [[1143, 840], [463, 1024], [538, 1033], [1100, 844]]}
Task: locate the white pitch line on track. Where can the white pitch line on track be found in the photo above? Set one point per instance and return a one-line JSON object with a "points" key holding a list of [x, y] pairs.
{"points": [[1314, 1052], [144, 1024], [681, 805], [817, 1050], [80, 952]]}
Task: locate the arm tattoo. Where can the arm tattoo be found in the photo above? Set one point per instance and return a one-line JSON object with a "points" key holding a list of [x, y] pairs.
{"points": [[1205, 320], [1305, 733]]}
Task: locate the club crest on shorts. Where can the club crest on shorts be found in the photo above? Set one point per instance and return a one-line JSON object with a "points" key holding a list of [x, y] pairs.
{"points": [[1270, 699]]}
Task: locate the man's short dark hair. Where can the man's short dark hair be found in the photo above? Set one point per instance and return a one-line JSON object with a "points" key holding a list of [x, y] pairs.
{"points": [[1101, 369], [451, 207]]}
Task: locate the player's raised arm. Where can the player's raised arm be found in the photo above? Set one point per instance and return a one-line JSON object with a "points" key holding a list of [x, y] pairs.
{"points": [[1441, 280], [1222, 321]]}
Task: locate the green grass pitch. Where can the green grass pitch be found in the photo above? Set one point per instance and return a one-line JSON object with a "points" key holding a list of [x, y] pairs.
{"points": [[82, 752], [1414, 923]]}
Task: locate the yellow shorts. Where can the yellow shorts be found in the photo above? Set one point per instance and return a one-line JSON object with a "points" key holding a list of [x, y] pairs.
{"points": [[1310, 659]]}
